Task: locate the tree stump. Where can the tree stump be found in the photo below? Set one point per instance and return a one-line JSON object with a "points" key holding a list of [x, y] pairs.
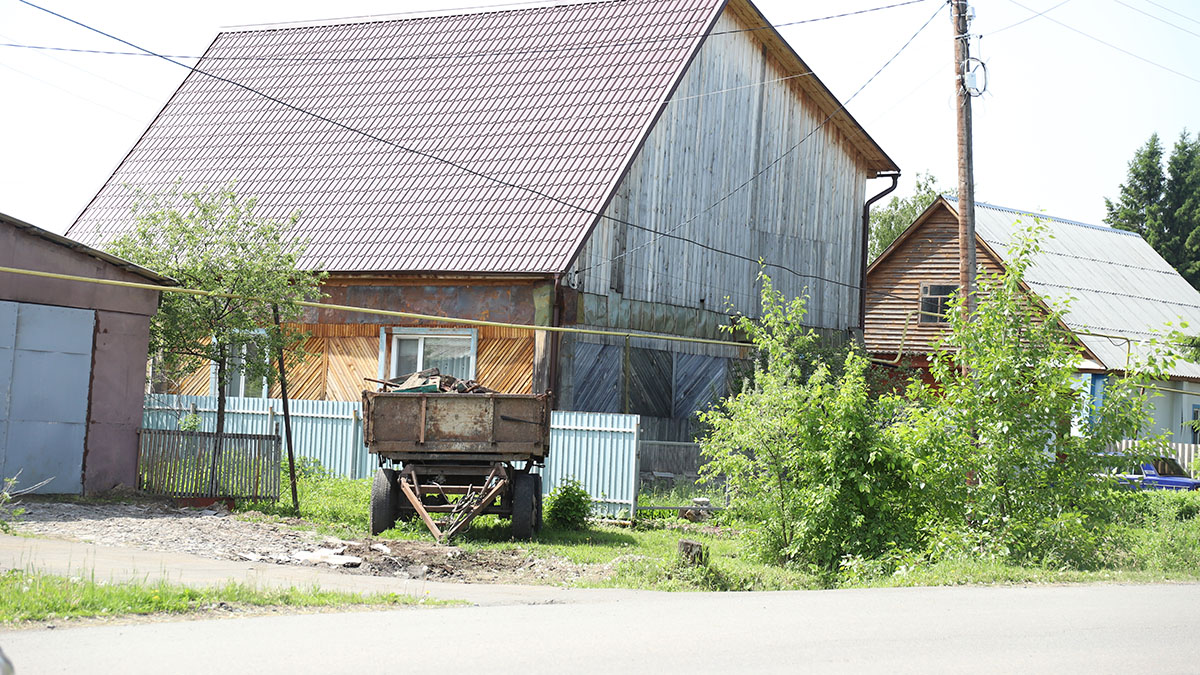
{"points": [[693, 552]]}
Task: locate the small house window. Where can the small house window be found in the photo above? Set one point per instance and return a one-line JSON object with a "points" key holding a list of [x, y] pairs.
{"points": [[935, 300], [240, 384], [451, 351]]}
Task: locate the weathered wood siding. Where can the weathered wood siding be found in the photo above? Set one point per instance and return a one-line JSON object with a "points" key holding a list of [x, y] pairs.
{"points": [[343, 347], [804, 212], [928, 255]]}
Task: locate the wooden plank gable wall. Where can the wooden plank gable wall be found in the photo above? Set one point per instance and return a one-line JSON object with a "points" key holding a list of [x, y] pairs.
{"points": [[341, 355], [928, 256]]}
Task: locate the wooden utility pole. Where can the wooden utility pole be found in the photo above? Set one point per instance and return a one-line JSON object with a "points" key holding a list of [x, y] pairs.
{"points": [[966, 170]]}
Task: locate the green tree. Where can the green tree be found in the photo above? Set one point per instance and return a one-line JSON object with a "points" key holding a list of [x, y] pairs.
{"points": [[245, 265], [888, 222], [1164, 208], [995, 436], [807, 458]]}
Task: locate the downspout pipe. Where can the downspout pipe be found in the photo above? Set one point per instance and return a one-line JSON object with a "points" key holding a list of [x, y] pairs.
{"points": [[866, 237], [556, 321]]}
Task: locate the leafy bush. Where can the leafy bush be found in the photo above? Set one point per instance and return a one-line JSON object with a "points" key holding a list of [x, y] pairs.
{"points": [[994, 439], [1166, 530], [568, 506], [9, 513], [806, 452], [308, 468]]}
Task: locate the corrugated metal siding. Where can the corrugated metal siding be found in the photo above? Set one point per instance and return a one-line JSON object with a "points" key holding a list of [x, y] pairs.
{"points": [[599, 450], [1116, 282], [803, 213], [553, 98], [328, 431]]}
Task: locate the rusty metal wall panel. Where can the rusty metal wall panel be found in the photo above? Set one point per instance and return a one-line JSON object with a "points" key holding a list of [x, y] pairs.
{"points": [[600, 450], [555, 97]]}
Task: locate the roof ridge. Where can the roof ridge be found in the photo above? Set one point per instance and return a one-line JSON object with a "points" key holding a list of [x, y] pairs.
{"points": [[447, 13], [1046, 216]]}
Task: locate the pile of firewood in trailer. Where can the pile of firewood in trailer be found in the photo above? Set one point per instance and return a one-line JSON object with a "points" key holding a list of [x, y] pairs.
{"points": [[431, 380]]}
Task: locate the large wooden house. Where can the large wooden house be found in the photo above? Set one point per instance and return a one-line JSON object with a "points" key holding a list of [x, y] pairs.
{"points": [[1115, 291], [615, 165]]}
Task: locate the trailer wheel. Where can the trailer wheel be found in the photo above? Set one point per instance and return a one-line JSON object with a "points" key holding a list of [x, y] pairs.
{"points": [[385, 501], [523, 505], [537, 502]]}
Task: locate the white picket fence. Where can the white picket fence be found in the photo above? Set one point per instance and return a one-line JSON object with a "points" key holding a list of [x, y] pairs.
{"points": [[1184, 453]]}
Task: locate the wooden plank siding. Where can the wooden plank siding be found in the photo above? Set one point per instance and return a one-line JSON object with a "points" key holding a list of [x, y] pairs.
{"points": [[341, 355], [804, 212], [928, 254]]}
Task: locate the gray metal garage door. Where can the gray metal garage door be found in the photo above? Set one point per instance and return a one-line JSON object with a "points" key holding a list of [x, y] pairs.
{"points": [[45, 371]]}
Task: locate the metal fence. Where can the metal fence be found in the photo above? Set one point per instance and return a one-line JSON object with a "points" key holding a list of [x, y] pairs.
{"points": [[180, 464], [600, 450], [327, 431]]}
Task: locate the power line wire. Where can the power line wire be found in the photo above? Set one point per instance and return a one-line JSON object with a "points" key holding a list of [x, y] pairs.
{"points": [[455, 55], [1028, 18], [1156, 18], [1164, 7], [1107, 44], [500, 181]]}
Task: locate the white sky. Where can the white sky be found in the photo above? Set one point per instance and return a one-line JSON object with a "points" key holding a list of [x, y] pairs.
{"points": [[1055, 130]]}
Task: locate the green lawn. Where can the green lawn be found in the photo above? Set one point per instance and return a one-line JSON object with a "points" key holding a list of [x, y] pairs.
{"points": [[1165, 547], [33, 596]]}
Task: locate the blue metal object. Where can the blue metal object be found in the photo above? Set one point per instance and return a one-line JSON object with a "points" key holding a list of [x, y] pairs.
{"points": [[45, 375], [600, 450], [1161, 473], [327, 431]]}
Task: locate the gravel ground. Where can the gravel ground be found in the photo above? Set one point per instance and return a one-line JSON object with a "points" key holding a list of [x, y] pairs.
{"points": [[214, 533]]}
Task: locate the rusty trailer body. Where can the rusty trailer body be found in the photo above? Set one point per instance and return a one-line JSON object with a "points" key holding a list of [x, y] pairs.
{"points": [[457, 456]]}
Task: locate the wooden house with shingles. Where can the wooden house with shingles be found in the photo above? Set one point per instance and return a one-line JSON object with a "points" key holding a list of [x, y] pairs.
{"points": [[614, 165], [1115, 291]]}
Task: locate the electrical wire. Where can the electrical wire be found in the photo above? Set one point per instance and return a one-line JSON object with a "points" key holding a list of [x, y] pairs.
{"points": [[1157, 18], [1110, 45], [510, 184], [455, 55], [1185, 16], [1028, 18], [841, 106]]}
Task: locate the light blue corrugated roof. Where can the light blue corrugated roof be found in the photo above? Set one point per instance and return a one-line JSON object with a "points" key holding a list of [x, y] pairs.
{"points": [[1106, 280]]}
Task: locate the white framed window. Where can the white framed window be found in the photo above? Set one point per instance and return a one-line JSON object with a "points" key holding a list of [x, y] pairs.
{"points": [[239, 383], [935, 301], [406, 350]]}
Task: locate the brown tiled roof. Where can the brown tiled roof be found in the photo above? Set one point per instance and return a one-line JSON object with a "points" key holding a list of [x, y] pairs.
{"points": [[552, 98]]}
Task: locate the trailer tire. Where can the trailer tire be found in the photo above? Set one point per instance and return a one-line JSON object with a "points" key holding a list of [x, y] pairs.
{"points": [[537, 502], [523, 506], [385, 501]]}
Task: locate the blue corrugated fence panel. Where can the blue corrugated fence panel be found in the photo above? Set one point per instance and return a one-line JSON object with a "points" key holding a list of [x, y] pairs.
{"points": [[600, 450], [327, 431]]}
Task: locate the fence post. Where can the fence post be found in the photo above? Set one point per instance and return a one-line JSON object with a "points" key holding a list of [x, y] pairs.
{"points": [[360, 463]]}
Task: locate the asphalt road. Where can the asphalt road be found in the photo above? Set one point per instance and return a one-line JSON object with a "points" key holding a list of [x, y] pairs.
{"points": [[1044, 629]]}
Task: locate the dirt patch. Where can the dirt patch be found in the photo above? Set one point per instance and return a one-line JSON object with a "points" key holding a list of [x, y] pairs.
{"points": [[214, 533]]}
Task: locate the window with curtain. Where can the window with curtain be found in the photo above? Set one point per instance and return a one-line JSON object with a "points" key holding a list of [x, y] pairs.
{"points": [[450, 354]]}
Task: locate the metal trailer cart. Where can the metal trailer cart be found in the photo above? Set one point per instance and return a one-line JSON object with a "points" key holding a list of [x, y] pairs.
{"points": [[458, 456]]}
